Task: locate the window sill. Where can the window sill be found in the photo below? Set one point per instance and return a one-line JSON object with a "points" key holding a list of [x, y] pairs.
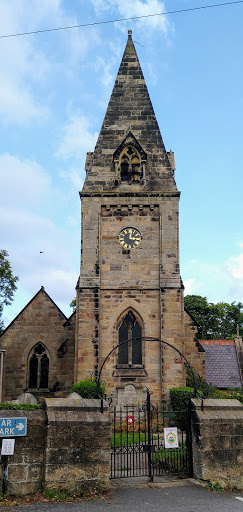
{"points": [[124, 370], [38, 390], [129, 366]]}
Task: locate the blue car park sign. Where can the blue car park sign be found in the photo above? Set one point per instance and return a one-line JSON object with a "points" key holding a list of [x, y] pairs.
{"points": [[12, 427]]}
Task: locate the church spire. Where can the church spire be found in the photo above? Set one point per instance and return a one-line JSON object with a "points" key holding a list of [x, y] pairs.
{"points": [[130, 114]]}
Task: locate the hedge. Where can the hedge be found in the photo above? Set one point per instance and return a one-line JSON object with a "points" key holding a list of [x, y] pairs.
{"points": [[19, 407]]}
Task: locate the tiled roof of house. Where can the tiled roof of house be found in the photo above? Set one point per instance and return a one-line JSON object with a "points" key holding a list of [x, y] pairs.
{"points": [[222, 368], [217, 342]]}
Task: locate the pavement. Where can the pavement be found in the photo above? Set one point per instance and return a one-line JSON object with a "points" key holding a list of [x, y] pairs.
{"points": [[138, 495]]}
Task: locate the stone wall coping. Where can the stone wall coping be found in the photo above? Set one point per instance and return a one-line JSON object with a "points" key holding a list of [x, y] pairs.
{"points": [[86, 404], [217, 403], [18, 413]]}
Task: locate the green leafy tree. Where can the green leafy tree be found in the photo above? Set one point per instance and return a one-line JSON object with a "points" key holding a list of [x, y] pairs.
{"points": [[7, 283], [229, 316], [216, 321], [73, 304]]}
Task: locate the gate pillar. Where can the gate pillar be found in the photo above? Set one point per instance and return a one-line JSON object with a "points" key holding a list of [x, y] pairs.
{"points": [[217, 441]]}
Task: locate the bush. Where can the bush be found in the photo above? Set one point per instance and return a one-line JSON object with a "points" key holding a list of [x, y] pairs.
{"points": [[179, 401], [236, 393], [179, 398], [88, 389], [231, 393], [208, 390]]}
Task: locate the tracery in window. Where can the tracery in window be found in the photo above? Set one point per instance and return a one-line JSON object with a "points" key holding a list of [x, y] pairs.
{"points": [[129, 162], [38, 367], [130, 353], [130, 165]]}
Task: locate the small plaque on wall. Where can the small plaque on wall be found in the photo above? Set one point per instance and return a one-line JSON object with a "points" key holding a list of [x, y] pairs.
{"points": [[7, 447], [171, 437]]}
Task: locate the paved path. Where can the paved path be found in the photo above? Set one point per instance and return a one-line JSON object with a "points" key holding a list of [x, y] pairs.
{"points": [[135, 496]]}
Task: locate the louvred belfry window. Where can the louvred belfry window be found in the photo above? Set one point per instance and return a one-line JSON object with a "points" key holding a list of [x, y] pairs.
{"points": [[130, 341], [130, 165], [38, 368], [129, 162]]}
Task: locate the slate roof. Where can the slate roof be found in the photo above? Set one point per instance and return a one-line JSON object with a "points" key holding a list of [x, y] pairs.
{"points": [[222, 368]]}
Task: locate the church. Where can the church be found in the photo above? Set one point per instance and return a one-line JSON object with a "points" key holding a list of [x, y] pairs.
{"points": [[130, 291]]}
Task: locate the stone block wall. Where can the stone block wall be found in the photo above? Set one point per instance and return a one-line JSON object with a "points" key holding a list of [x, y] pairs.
{"points": [[78, 444], [67, 446], [145, 305], [217, 441], [26, 466]]}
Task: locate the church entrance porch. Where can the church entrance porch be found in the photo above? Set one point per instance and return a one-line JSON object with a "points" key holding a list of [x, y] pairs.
{"points": [[148, 441]]}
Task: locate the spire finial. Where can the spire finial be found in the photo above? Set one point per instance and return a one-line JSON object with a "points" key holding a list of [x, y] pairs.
{"points": [[129, 34]]}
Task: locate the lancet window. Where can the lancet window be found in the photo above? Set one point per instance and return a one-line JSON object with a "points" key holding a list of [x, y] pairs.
{"points": [[130, 341], [38, 367]]}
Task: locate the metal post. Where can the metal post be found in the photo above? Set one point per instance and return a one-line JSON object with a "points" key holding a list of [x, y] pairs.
{"points": [[5, 473], [189, 440], [150, 479]]}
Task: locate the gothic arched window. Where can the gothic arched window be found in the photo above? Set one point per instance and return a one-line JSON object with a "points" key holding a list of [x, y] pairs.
{"points": [[38, 367], [129, 162], [130, 165], [130, 353]]}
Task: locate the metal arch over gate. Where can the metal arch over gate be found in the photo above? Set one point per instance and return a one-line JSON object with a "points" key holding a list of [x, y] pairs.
{"points": [[138, 440], [186, 362]]}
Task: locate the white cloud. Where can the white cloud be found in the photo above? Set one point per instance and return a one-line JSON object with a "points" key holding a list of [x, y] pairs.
{"points": [[82, 43], [41, 251], [76, 139], [74, 175], [190, 286], [17, 101], [104, 69], [234, 266], [234, 272], [128, 9], [152, 74], [222, 282], [21, 66], [22, 182], [28, 62]]}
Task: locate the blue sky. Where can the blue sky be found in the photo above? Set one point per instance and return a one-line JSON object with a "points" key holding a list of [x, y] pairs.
{"points": [[54, 90]]}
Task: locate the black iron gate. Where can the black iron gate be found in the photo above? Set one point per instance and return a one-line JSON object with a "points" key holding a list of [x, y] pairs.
{"points": [[138, 443]]}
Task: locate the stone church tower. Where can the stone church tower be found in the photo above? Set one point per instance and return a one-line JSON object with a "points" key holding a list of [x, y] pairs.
{"points": [[130, 285], [130, 292]]}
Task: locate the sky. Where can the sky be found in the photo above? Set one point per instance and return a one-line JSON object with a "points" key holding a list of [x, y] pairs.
{"points": [[54, 90]]}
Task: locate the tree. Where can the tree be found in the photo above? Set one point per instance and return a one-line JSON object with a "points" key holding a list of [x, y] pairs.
{"points": [[73, 304], [216, 321], [7, 283]]}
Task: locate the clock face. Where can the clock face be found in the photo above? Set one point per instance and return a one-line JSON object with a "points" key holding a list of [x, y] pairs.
{"points": [[129, 238]]}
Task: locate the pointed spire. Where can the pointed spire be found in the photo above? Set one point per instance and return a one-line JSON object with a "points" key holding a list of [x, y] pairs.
{"points": [[130, 48], [130, 110]]}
